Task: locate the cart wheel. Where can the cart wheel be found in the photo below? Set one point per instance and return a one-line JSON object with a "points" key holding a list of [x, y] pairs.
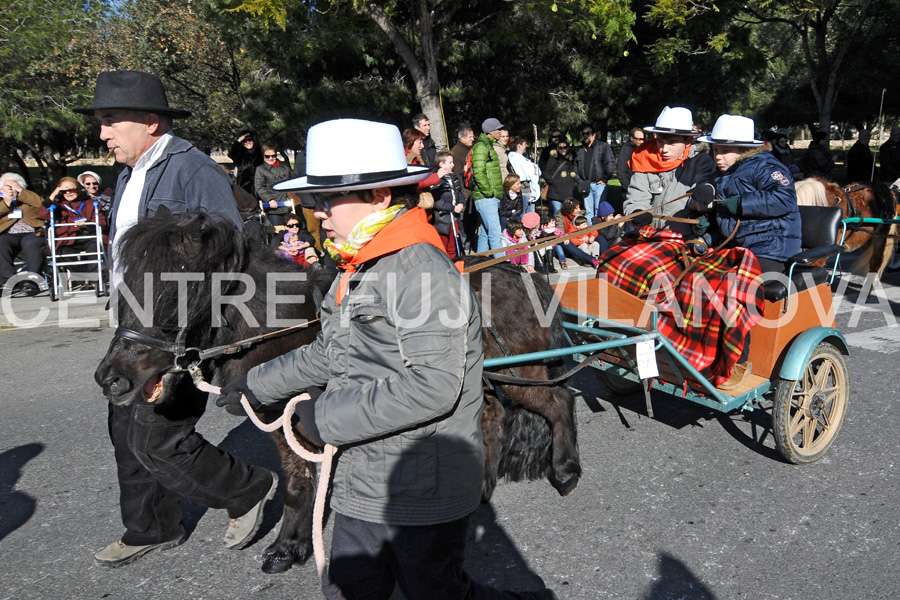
{"points": [[618, 385], [807, 414], [52, 291]]}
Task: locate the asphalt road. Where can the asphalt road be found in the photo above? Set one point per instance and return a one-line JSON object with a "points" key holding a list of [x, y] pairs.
{"points": [[688, 505]]}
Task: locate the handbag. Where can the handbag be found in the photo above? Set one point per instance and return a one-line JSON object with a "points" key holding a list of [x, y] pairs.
{"points": [[546, 187]]}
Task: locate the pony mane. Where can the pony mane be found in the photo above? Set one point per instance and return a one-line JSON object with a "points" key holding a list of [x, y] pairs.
{"points": [[811, 192], [200, 244]]}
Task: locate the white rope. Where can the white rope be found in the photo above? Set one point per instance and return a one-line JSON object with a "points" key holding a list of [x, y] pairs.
{"points": [[325, 457]]}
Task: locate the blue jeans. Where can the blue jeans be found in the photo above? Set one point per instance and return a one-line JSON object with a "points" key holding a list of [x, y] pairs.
{"points": [[555, 205], [490, 231], [592, 201], [577, 253], [527, 206]]}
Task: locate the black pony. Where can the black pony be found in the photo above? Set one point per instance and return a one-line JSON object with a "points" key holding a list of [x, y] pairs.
{"points": [[529, 432]]}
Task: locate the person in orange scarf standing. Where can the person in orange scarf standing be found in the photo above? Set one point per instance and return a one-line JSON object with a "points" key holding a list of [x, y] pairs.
{"points": [[664, 170], [399, 357]]}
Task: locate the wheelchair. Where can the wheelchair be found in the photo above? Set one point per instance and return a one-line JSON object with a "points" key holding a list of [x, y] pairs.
{"points": [[61, 279]]}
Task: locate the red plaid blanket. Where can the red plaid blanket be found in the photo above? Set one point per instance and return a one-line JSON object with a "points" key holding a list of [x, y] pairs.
{"points": [[705, 316]]}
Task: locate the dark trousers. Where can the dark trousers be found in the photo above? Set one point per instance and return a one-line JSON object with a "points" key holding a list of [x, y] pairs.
{"points": [[160, 458], [367, 559], [29, 244]]}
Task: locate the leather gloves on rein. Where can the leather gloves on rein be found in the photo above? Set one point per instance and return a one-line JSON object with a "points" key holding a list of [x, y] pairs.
{"points": [[702, 198], [231, 397], [733, 205]]}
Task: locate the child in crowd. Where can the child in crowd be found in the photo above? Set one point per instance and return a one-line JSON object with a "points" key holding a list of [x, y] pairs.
{"points": [[515, 234], [587, 242], [549, 229], [567, 215], [449, 203], [301, 252], [608, 236], [511, 203]]}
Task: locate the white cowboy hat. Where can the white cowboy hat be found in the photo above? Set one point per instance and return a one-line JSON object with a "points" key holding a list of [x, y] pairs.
{"points": [[732, 130], [675, 120], [80, 178], [344, 155]]}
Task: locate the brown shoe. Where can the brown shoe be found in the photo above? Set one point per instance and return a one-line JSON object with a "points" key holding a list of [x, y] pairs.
{"points": [[564, 266], [241, 530], [119, 554], [738, 374]]}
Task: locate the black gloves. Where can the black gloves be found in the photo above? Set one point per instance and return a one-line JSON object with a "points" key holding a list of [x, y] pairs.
{"points": [[702, 198], [642, 220], [699, 228], [231, 397], [306, 413], [47, 202]]}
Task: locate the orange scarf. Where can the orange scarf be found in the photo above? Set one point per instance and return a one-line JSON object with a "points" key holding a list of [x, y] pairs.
{"points": [[410, 228], [646, 158]]}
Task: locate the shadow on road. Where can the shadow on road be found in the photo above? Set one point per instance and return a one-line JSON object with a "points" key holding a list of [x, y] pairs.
{"points": [[17, 507], [677, 582]]}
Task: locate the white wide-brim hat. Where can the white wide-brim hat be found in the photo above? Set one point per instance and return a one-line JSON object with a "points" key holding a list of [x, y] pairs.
{"points": [[674, 120], [344, 155], [732, 130]]}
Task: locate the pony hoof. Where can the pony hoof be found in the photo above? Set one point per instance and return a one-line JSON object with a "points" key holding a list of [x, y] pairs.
{"points": [[565, 486], [276, 563]]}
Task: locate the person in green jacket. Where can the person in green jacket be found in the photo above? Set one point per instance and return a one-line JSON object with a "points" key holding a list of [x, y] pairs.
{"points": [[488, 185]]}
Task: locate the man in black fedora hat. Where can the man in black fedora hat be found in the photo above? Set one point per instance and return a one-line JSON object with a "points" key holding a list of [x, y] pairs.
{"points": [[159, 454]]}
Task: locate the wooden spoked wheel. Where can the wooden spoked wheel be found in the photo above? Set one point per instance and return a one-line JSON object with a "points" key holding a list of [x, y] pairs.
{"points": [[808, 413]]}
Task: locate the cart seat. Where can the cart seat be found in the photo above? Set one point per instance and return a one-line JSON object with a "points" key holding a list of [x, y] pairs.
{"points": [[819, 228]]}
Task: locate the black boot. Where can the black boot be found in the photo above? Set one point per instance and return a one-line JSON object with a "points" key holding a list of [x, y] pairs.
{"points": [[548, 260]]}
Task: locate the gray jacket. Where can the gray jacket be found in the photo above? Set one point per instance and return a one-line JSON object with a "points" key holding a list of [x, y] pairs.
{"points": [[650, 190], [402, 366], [184, 180], [266, 177]]}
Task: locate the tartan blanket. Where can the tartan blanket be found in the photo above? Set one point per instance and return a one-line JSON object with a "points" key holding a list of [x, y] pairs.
{"points": [[705, 316]]}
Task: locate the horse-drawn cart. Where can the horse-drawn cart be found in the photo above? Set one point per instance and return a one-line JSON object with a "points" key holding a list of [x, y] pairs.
{"points": [[795, 359]]}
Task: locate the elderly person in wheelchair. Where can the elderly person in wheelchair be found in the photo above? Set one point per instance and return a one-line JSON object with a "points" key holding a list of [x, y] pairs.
{"points": [[74, 217], [21, 230]]}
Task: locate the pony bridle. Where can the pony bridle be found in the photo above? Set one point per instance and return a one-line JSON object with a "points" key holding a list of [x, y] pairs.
{"points": [[178, 348], [181, 350]]}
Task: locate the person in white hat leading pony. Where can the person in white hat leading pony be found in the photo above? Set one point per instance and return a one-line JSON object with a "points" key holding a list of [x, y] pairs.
{"points": [[756, 194], [664, 170], [400, 357]]}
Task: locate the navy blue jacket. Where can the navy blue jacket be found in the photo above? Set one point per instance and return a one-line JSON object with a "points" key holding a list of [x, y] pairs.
{"points": [[770, 219]]}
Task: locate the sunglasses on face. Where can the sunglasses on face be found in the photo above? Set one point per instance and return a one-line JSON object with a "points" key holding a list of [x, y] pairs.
{"points": [[323, 201], [292, 225], [587, 133], [269, 155], [69, 190], [89, 184], [562, 148]]}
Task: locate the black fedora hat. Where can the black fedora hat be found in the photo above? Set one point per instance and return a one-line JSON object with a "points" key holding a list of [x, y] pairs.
{"points": [[131, 90]]}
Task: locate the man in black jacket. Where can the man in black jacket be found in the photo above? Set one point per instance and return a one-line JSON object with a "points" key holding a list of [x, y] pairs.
{"points": [[890, 157], [159, 454], [421, 123], [635, 139], [594, 163]]}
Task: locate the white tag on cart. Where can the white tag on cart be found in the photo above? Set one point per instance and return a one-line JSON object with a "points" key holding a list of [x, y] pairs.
{"points": [[646, 359], [15, 214]]}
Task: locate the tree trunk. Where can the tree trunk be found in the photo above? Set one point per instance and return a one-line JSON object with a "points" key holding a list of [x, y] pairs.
{"points": [[424, 76]]}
